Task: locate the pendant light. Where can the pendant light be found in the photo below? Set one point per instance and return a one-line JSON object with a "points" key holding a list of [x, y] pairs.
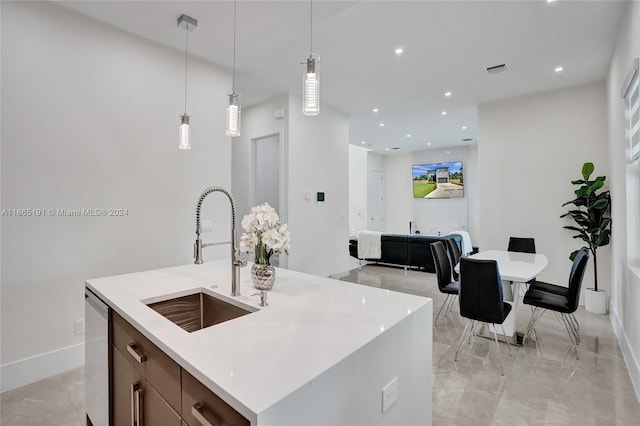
{"points": [[189, 24], [311, 84], [233, 110]]}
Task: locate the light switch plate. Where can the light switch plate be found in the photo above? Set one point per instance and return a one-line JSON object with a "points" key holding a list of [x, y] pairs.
{"points": [[389, 394], [79, 326]]}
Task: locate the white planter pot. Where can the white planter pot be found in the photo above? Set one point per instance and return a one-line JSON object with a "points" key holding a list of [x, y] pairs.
{"points": [[595, 301]]}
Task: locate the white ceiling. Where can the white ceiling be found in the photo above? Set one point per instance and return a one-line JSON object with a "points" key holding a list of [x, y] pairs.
{"points": [[447, 47]]}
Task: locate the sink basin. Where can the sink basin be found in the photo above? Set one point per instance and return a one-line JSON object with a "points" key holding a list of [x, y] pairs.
{"points": [[197, 311]]}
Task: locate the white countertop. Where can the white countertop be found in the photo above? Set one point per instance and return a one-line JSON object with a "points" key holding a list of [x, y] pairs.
{"points": [[252, 362]]}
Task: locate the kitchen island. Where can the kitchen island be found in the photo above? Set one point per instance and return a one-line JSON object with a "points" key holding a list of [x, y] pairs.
{"points": [[321, 353]]}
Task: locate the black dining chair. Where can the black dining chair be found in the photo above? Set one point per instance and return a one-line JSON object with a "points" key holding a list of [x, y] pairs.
{"points": [[563, 303], [522, 245], [454, 255], [446, 283], [481, 299]]}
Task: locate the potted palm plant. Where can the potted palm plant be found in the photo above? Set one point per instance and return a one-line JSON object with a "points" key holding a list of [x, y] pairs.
{"points": [[593, 226]]}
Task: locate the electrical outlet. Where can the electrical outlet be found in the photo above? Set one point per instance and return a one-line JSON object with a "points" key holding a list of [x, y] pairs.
{"points": [[389, 394], [80, 326], [206, 226]]}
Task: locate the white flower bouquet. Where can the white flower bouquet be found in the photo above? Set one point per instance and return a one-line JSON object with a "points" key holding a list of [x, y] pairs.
{"points": [[264, 234]]}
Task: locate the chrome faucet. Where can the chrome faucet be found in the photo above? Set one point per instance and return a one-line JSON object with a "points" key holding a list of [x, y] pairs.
{"points": [[236, 261]]}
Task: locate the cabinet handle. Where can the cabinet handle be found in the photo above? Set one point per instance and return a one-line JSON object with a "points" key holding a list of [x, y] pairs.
{"points": [[135, 353], [196, 411], [136, 404]]}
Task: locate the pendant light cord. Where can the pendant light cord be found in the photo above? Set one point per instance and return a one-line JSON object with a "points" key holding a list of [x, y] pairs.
{"points": [[186, 61], [233, 79], [311, 30]]}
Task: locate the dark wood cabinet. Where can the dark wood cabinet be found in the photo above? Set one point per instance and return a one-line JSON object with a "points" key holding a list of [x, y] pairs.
{"points": [[198, 402], [148, 388]]}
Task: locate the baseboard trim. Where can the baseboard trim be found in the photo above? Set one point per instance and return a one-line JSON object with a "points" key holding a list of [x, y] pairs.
{"points": [[630, 360], [38, 367]]}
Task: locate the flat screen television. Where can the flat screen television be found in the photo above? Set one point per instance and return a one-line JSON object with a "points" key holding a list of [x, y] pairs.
{"points": [[438, 180]]}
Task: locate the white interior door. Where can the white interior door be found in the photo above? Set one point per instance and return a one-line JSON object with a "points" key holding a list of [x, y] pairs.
{"points": [[266, 171], [375, 201], [266, 175]]}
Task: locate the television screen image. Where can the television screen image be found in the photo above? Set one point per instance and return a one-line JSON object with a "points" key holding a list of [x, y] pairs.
{"points": [[438, 180]]}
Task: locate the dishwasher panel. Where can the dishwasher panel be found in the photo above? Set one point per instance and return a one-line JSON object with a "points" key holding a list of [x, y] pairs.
{"points": [[96, 352]]}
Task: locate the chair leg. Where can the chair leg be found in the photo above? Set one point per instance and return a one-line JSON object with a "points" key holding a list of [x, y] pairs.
{"points": [[440, 310], [451, 301], [564, 321], [505, 338], [576, 326], [535, 317], [464, 332], [495, 339]]}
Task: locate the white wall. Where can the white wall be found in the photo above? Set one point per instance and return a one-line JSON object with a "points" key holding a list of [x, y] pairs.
{"points": [[433, 216], [258, 121], [90, 120], [472, 187], [398, 193], [315, 158], [357, 189], [318, 162], [625, 284], [429, 216], [530, 149]]}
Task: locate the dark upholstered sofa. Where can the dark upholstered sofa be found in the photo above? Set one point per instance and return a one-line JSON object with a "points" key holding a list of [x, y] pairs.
{"points": [[406, 250]]}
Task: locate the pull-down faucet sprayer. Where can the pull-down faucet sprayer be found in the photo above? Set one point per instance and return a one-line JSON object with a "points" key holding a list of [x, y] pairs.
{"points": [[236, 261]]}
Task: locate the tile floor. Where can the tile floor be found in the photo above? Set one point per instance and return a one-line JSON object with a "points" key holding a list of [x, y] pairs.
{"points": [[543, 382], [56, 401]]}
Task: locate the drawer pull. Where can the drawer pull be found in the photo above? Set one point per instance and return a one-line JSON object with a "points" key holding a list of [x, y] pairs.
{"points": [[196, 411], [136, 404], [135, 353]]}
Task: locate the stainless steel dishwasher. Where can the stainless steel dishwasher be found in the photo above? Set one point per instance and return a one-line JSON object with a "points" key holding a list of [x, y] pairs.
{"points": [[96, 359]]}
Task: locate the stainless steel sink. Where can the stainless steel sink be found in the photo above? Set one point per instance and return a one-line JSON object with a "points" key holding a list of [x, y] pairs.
{"points": [[197, 311]]}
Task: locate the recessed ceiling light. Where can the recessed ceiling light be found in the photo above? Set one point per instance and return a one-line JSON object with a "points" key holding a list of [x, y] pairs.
{"points": [[448, 152], [363, 142], [376, 110], [381, 124], [387, 149], [428, 143], [408, 135], [444, 112], [464, 127], [399, 51], [550, 1], [558, 69], [447, 94]]}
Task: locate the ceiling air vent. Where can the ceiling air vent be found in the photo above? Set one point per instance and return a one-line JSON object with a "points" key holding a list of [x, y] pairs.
{"points": [[396, 147], [497, 68], [467, 140]]}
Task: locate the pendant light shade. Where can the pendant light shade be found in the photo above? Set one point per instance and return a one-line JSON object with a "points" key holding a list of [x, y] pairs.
{"points": [[185, 133], [233, 115], [234, 109], [184, 141], [311, 82], [311, 88]]}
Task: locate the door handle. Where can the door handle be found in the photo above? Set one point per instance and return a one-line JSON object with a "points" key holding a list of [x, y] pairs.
{"points": [[197, 412], [136, 404], [135, 353]]}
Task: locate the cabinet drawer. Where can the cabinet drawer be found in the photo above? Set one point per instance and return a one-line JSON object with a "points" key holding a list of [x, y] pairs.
{"points": [[154, 365], [211, 407], [153, 409]]}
